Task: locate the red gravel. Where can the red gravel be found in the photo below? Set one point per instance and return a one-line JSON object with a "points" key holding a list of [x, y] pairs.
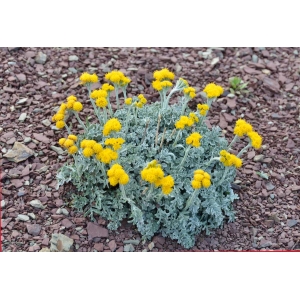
{"points": [[267, 214]]}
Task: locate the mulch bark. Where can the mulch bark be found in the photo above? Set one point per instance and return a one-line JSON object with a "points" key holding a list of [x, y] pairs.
{"points": [[267, 213]]}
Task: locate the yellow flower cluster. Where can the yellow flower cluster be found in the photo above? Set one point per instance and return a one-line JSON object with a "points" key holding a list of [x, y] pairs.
{"points": [[98, 94], [255, 138], [142, 101], [87, 78], [101, 102], [201, 179], [194, 117], [213, 91], [163, 74], [242, 127], [203, 108], [107, 87], [194, 139], [128, 101], [111, 125], [117, 77], [163, 79], [185, 82], [189, 91], [116, 175], [69, 143], [91, 147], [116, 143], [159, 85], [184, 121], [229, 159], [107, 155], [59, 117], [154, 174]]}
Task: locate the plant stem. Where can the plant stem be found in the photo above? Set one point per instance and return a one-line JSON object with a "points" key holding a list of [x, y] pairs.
{"points": [[117, 95], [68, 129], [79, 120], [109, 105], [185, 156], [190, 200], [184, 106], [104, 114], [235, 139], [127, 117], [176, 139], [157, 129], [244, 149]]}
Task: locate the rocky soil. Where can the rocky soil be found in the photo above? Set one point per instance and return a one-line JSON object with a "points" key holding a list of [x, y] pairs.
{"points": [[34, 81]]}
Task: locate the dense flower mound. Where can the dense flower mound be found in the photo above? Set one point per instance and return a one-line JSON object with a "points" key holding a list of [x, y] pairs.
{"points": [[156, 164]]}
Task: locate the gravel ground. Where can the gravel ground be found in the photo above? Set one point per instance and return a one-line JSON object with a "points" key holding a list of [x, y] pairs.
{"points": [[33, 84]]}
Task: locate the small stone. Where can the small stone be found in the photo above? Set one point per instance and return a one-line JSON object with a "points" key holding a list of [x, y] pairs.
{"points": [[264, 243], [254, 58], [270, 186], [23, 218], [34, 229], [3, 203], [41, 58], [215, 61], [22, 117], [151, 246], [266, 71], [64, 245], [271, 84], [41, 138], [290, 144], [73, 70], [73, 58], [67, 223], [112, 245], [291, 223], [46, 122], [128, 248], [31, 215], [259, 157], [37, 204], [99, 247], [96, 231], [58, 150], [45, 249], [27, 139], [22, 101], [21, 77], [64, 211], [133, 242], [18, 153]]}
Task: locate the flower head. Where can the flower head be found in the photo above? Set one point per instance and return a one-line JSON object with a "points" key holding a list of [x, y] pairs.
{"points": [[116, 143], [184, 121], [77, 106], [229, 159], [213, 91], [203, 108], [163, 74], [152, 173], [111, 125], [128, 101], [159, 85], [98, 94], [72, 137], [201, 179], [190, 92], [73, 149], [60, 124], [116, 174], [107, 155], [88, 152], [87, 78], [107, 87], [117, 77], [242, 127], [255, 139], [194, 139], [101, 102]]}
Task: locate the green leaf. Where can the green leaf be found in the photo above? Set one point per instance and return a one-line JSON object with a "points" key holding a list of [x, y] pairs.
{"points": [[262, 175]]}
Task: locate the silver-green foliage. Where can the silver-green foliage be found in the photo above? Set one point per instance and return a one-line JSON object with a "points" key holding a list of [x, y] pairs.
{"points": [[151, 212]]}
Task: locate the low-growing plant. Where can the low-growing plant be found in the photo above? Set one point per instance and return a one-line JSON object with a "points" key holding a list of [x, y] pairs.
{"points": [[157, 164], [238, 86]]}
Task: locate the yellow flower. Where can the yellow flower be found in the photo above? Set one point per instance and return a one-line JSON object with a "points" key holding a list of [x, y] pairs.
{"points": [[72, 149], [70, 104], [72, 137], [83, 144], [203, 108], [194, 118], [87, 78], [62, 141], [111, 125], [107, 87], [58, 117], [124, 179], [157, 85], [88, 152], [185, 82], [201, 179], [63, 107], [138, 104], [143, 100], [68, 143], [194, 139], [117, 175], [163, 74], [98, 94], [71, 98], [116, 143], [101, 102], [189, 91], [242, 127], [152, 173], [60, 124], [229, 159], [184, 121], [213, 91], [77, 106], [97, 148], [90, 143], [117, 77], [167, 184], [107, 155], [255, 138], [128, 101]]}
